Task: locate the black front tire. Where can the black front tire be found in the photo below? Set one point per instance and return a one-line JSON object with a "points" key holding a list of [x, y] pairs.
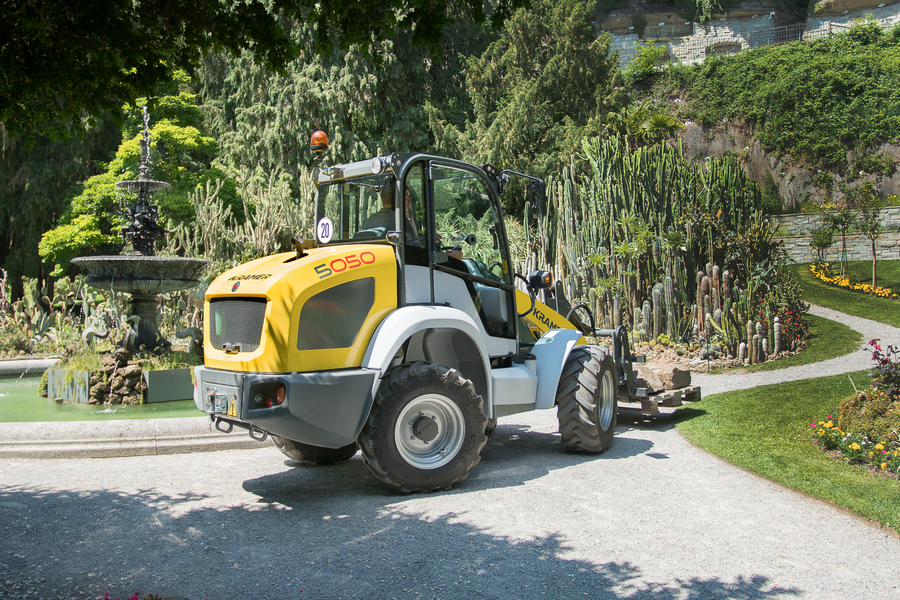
{"points": [[586, 400], [306, 454], [426, 428]]}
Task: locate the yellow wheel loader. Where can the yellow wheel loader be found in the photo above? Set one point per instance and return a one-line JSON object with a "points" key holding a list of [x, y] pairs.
{"points": [[384, 336]]}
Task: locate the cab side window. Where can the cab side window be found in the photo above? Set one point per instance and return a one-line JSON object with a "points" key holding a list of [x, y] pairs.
{"points": [[415, 217], [466, 225]]}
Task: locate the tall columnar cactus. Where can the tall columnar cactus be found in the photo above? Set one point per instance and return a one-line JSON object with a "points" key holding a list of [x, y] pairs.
{"points": [[760, 335], [638, 315], [617, 317], [726, 285], [698, 298], [707, 310], [777, 328], [754, 349], [669, 289], [716, 289], [770, 322], [742, 352], [645, 309], [657, 295], [750, 344]]}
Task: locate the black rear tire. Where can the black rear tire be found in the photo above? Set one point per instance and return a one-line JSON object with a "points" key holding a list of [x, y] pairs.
{"points": [[426, 428], [586, 400], [306, 454]]}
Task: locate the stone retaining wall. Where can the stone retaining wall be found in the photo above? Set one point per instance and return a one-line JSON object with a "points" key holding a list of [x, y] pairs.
{"points": [[751, 24], [794, 230]]}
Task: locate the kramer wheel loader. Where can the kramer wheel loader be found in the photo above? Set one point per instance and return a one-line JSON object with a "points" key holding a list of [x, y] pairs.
{"points": [[381, 336]]}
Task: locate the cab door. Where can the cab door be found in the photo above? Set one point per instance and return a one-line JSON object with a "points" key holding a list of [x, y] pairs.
{"points": [[464, 248]]}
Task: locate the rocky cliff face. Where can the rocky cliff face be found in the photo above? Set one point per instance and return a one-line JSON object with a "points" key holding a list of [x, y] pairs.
{"points": [[795, 183], [748, 25]]}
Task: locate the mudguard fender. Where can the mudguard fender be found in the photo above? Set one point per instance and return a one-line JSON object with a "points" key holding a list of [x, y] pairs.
{"points": [[403, 323], [552, 351]]}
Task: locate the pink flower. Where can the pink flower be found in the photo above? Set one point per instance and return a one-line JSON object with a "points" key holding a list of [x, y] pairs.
{"points": [[813, 424]]}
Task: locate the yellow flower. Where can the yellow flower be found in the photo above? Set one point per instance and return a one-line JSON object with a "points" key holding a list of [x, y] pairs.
{"points": [[829, 424], [879, 447], [854, 446], [883, 466], [871, 454]]}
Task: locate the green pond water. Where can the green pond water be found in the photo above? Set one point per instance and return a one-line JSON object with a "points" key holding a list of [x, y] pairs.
{"points": [[20, 403]]}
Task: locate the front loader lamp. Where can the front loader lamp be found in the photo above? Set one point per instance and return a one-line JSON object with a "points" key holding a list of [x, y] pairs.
{"points": [[279, 393], [377, 166], [540, 280]]}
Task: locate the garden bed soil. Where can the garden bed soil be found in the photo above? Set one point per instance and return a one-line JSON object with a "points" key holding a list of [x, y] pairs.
{"points": [[836, 455], [690, 359]]}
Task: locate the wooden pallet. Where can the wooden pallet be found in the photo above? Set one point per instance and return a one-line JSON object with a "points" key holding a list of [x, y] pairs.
{"points": [[650, 405]]}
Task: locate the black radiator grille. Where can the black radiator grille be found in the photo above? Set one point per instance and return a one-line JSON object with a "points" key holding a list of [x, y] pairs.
{"points": [[236, 322]]}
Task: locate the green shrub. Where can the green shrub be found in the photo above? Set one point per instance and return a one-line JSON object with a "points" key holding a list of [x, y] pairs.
{"points": [[821, 240], [871, 412], [649, 57], [772, 203], [815, 101]]}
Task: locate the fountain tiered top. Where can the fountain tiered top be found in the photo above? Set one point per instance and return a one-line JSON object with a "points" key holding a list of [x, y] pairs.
{"points": [[143, 275]]}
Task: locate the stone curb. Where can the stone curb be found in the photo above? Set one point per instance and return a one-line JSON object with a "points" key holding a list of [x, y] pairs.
{"points": [[33, 366], [108, 439]]}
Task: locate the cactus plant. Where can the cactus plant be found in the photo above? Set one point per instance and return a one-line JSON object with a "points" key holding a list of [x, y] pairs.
{"points": [[777, 336], [657, 295], [646, 323], [669, 290]]}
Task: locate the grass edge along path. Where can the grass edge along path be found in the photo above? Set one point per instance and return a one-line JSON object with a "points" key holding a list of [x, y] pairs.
{"points": [[766, 430], [856, 304]]}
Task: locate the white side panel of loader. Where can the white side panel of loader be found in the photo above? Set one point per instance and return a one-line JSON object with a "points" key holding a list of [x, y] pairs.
{"points": [[551, 351], [452, 290]]}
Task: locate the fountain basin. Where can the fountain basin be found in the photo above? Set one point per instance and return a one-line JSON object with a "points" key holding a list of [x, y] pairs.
{"points": [[142, 274], [143, 277], [21, 403]]}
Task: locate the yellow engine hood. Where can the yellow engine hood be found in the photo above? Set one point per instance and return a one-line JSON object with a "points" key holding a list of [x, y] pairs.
{"points": [[317, 312]]}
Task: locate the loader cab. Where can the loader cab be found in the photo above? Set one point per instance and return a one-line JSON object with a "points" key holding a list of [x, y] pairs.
{"points": [[445, 220]]}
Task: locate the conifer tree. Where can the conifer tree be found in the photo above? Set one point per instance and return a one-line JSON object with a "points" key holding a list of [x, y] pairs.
{"points": [[547, 83]]}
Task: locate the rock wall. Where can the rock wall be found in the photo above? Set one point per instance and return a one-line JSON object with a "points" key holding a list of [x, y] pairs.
{"points": [[118, 381], [794, 182], [751, 24], [794, 231]]}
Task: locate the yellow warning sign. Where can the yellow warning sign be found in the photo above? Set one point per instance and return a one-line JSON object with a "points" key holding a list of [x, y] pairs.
{"points": [[232, 410]]}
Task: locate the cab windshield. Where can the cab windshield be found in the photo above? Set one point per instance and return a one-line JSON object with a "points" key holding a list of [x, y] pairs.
{"points": [[358, 209]]}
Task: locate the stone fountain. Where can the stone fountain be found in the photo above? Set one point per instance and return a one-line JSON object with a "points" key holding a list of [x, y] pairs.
{"points": [[143, 275]]}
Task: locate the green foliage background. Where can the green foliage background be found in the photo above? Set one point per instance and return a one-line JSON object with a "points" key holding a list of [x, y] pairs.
{"points": [[524, 98], [814, 101]]}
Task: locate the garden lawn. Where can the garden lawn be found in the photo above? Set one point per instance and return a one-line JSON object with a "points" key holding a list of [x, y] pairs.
{"points": [[855, 303], [766, 430], [827, 339]]}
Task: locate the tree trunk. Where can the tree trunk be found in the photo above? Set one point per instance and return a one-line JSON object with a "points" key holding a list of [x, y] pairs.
{"points": [[874, 264]]}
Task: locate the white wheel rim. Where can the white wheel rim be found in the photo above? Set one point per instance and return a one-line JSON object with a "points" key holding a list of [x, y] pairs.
{"points": [[440, 450], [607, 399]]}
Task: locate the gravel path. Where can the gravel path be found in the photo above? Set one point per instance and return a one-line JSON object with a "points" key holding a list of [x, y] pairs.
{"points": [[654, 517]]}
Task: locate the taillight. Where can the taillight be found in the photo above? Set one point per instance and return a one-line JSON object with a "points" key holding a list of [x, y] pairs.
{"points": [[279, 393]]}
